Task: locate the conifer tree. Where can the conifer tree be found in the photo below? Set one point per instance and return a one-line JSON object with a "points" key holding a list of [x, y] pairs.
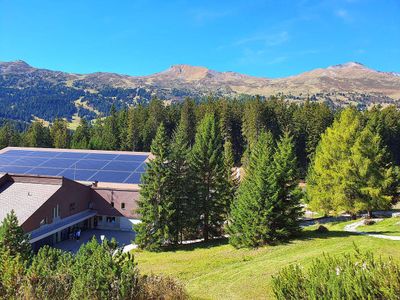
{"points": [[350, 171], [13, 240], [59, 134], [188, 120], [8, 136], [250, 212], [81, 136], [209, 177], [232, 182], [182, 217], [37, 135], [110, 134], [155, 204]]}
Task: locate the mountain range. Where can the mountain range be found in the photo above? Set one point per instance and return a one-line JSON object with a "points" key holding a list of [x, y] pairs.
{"points": [[27, 92]]}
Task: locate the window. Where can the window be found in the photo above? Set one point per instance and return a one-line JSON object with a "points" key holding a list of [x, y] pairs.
{"points": [[122, 205], [56, 211], [72, 206], [112, 204], [100, 218], [110, 219]]}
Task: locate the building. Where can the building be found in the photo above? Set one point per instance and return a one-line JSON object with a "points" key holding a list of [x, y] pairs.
{"points": [[56, 191]]}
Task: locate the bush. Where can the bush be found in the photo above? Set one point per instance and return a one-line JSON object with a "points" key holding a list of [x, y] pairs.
{"points": [[350, 276], [161, 288], [369, 222], [322, 229]]}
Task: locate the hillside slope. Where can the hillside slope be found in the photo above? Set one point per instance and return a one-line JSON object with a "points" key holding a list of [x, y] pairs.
{"points": [[27, 92]]}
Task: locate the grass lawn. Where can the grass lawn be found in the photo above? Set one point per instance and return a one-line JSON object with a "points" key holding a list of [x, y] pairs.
{"points": [[389, 226], [218, 271]]}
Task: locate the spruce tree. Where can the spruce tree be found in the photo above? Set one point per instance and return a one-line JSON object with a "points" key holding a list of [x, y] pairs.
{"points": [[182, 216], [188, 120], [287, 193], [251, 210], [13, 240], [209, 177], [231, 180], [81, 136], [60, 134], [153, 231], [37, 135], [9, 136], [110, 134]]}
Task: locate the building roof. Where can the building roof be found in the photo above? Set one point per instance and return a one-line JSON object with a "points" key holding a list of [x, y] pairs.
{"points": [[113, 169], [24, 198]]}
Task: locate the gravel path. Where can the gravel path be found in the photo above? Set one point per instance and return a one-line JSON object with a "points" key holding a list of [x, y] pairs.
{"points": [[353, 228]]}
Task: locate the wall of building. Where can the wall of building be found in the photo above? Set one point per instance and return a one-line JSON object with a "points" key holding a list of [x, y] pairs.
{"points": [[72, 198], [114, 202]]}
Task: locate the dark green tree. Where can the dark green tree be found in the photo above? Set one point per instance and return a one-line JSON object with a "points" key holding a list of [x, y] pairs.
{"points": [[59, 133], [37, 135], [13, 240], [209, 177], [188, 119], [81, 136], [9, 136], [155, 207]]}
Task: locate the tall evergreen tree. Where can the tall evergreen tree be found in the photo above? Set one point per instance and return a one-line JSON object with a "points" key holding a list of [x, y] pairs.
{"points": [[13, 240], [231, 180], [182, 216], [9, 136], [81, 136], [110, 134], [188, 120], [60, 134], [209, 177], [250, 212], [155, 204], [37, 135]]}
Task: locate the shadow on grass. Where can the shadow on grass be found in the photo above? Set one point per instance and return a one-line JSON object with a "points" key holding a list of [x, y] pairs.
{"points": [[304, 235], [199, 245]]}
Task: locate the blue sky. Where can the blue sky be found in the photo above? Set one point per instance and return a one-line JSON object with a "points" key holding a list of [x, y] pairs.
{"points": [[273, 38]]}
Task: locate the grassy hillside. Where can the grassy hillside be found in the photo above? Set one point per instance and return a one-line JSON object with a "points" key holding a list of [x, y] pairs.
{"points": [[218, 271]]}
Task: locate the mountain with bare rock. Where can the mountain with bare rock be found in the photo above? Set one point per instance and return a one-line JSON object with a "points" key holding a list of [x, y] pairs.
{"points": [[27, 93]]}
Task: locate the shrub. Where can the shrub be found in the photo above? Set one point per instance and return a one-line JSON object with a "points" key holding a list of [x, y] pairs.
{"points": [[369, 222], [358, 275], [161, 288], [322, 229]]}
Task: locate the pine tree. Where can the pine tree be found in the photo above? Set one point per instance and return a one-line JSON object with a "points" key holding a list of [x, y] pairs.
{"points": [[251, 210], [37, 135], [8, 136], [13, 240], [155, 204], [287, 194], [81, 136], [182, 217], [59, 134], [209, 177], [350, 170], [110, 134], [329, 180], [373, 176], [188, 120], [231, 180]]}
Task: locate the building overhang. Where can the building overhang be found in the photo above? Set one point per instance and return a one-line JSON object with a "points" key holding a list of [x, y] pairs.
{"points": [[49, 229]]}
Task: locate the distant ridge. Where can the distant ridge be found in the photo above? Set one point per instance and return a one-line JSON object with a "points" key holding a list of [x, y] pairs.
{"points": [[68, 94]]}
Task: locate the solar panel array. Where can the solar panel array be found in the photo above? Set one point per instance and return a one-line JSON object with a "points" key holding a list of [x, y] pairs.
{"points": [[83, 166]]}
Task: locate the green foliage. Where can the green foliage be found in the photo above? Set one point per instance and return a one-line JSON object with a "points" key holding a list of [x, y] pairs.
{"points": [[349, 171], [267, 209], [359, 275], [9, 136], [209, 178], [13, 240], [155, 201], [37, 135], [59, 134], [81, 136]]}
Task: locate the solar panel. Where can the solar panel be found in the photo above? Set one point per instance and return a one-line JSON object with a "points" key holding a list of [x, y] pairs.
{"points": [[84, 166]]}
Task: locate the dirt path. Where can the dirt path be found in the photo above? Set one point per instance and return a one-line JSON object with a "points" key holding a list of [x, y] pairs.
{"points": [[353, 228]]}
